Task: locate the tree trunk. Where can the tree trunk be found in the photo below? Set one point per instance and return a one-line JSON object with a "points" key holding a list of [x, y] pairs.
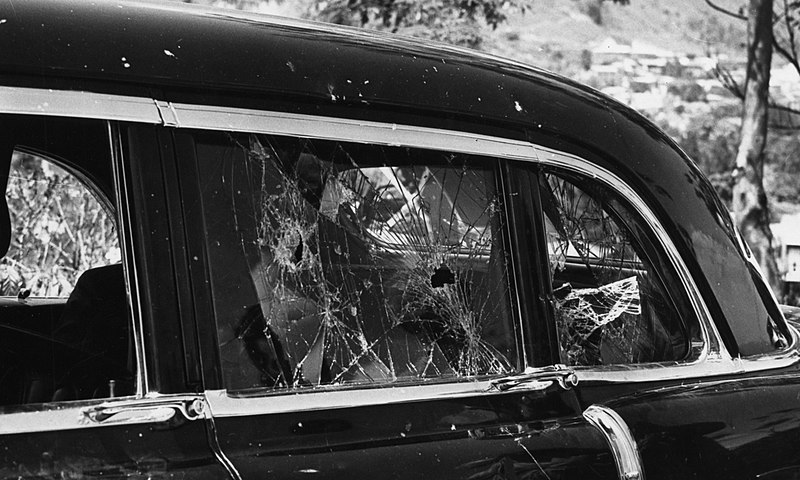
{"points": [[750, 207]]}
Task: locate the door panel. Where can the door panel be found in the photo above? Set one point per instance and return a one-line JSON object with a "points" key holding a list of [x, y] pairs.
{"points": [[60, 441], [733, 428], [490, 435]]}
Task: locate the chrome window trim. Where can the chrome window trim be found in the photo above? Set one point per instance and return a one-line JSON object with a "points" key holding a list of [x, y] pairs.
{"points": [[223, 404], [79, 104], [50, 417], [125, 227], [60, 416]]}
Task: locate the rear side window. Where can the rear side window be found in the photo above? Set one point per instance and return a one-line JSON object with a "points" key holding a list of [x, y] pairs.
{"points": [[616, 300], [344, 264]]}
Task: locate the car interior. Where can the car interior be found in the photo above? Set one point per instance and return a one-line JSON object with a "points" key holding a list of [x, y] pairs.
{"points": [[76, 343]]}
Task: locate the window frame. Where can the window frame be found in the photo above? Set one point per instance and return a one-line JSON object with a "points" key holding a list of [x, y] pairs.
{"points": [[649, 253]]}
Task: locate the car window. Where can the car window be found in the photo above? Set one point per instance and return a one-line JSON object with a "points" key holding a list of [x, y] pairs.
{"points": [[347, 264], [59, 229], [65, 332], [610, 300]]}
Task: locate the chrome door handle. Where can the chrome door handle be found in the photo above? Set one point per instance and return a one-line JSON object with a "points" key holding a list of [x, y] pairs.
{"points": [[538, 379], [160, 409], [619, 438]]}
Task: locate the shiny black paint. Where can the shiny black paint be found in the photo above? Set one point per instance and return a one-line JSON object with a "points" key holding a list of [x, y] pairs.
{"points": [[726, 428], [170, 348], [165, 450], [515, 435]]}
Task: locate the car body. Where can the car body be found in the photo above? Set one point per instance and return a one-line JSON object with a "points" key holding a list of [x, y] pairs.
{"points": [[242, 246]]}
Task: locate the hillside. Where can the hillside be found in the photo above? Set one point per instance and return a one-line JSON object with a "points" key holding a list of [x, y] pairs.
{"points": [[554, 32]]}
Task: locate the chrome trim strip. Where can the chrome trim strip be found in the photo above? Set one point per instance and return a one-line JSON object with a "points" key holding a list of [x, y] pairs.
{"points": [[341, 129], [61, 416], [125, 228], [221, 404], [68, 103], [168, 116], [620, 439]]}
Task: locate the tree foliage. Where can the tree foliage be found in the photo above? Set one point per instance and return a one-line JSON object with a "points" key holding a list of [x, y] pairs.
{"points": [[59, 229], [453, 21]]}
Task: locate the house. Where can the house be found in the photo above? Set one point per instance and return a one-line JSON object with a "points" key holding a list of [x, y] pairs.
{"points": [[787, 237]]}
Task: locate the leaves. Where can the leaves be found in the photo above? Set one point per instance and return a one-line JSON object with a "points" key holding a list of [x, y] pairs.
{"points": [[59, 229], [453, 21]]}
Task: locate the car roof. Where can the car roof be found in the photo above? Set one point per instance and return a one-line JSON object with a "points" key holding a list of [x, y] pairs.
{"points": [[166, 44], [174, 52]]}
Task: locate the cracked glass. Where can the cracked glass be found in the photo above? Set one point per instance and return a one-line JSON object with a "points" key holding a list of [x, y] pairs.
{"points": [[608, 296], [345, 264]]}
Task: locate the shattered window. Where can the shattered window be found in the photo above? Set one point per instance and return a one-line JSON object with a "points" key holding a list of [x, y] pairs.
{"points": [[609, 300], [340, 264]]}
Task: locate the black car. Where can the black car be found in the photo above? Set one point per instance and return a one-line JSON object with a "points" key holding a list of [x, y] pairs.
{"points": [[248, 247]]}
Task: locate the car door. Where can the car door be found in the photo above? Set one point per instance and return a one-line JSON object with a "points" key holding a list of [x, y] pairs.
{"points": [[358, 288], [78, 396], [634, 327]]}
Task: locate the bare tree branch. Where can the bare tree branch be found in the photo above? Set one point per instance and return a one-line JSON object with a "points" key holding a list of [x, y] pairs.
{"points": [[726, 11], [726, 78], [783, 108]]}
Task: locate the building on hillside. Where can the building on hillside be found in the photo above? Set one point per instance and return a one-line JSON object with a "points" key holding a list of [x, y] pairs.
{"points": [[787, 241], [652, 57]]}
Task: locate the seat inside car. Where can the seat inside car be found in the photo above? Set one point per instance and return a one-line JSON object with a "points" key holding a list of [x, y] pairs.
{"points": [[54, 348], [95, 323]]}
